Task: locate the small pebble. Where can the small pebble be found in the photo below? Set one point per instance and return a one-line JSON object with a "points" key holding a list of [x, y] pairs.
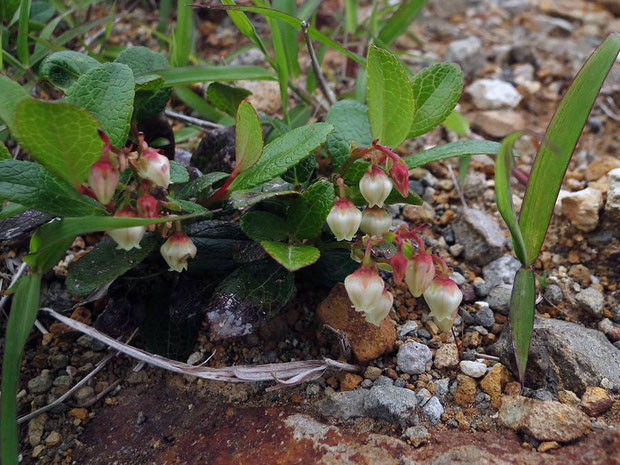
{"points": [[473, 369]]}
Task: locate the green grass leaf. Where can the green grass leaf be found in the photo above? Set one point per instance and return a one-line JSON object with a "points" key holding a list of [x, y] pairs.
{"points": [[350, 121], [390, 98], [436, 90], [63, 69], [560, 139], [183, 35], [350, 15], [248, 137], [31, 185], [198, 104], [522, 317], [400, 20], [209, 73], [503, 195], [450, 150], [23, 313], [283, 153], [263, 226], [60, 136], [307, 214], [226, 98], [107, 91], [22, 31], [456, 122], [105, 263], [291, 257], [288, 35], [247, 29]]}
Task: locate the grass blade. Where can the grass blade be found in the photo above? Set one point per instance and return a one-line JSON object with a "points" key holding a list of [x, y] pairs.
{"points": [[183, 34], [247, 29], [453, 149], [288, 35], [560, 140], [23, 313], [503, 194], [350, 14], [522, 317], [198, 104], [400, 20], [209, 73], [22, 31]]}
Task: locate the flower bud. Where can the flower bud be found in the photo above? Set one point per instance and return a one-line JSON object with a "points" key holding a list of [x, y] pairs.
{"points": [[443, 297], [154, 167], [147, 206], [177, 250], [380, 309], [344, 219], [127, 238], [399, 266], [364, 287], [375, 186], [375, 221], [400, 177], [103, 179], [419, 274]]}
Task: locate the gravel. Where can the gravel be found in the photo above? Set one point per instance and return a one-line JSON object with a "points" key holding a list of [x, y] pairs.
{"points": [[473, 369], [433, 410], [413, 358]]}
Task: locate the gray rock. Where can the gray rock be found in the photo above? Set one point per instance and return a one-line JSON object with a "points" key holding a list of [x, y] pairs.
{"points": [[542, 394], [501, 271], [59, 361], [563, 355], [554, 295], [392, 404], [442, 387], [615, 313], [36, 427], [485, 316], [612, 207], [468, 319], [409, 328], [493, 94], [313, 389], [481, 236], [611, 329], [592, 301], [384, 381], [343, 405], [424, 334], [499, 298], [413, 357], [433, 410], [40, 384], [473, 369], [467, 53], [367, 384], [423, 396], [475, 184], [84, 395], [418, 435], [399, 382]]}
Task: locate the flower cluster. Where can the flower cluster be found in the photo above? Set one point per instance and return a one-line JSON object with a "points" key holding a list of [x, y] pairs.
{"points": [[137, 197], [424, 273]]}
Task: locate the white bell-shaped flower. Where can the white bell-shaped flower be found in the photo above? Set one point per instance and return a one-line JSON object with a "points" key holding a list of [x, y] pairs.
{"points": [[375, 221], [344, 219], [380, 309], [443, 297], [103, 179], [375, 186], [419, 273], [177, 250], [127, 238], [364, 287], [154, 167]]}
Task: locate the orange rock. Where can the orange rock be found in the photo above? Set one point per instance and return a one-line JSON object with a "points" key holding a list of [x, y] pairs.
{"points": [[466, 392], [79, 413], [600, 167], [493, 383], [81, 314], [350, 381], [595, 401], [367, 340]]}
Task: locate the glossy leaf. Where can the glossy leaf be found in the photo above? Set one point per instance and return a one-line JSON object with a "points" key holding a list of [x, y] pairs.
{"points": [[23, 313], [436, 90], [350, 121], [245, 198], [503, 194], [522, 317], [560, 139], [451, 150], [307, 214], [390, 98], [31, 185], [64, 68], [209, 73], [104, 263], [291, 257], [456, 122], [248, 137], [178, 173], [263, 226], [226, 98], [281, 154], [60, 136], [107, 92], [201, 186]]}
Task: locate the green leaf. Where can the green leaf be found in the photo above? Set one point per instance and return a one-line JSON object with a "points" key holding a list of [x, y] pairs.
{"points": [[289, 35], [247, 29], [23, 313], [4, 153], [291, 257], [22, 31], [226, 98], [522, 317], [307, 214], [301, 173], [390, 98], [451, 150], [191, 207], [185, 134], [105, 263], [248, 197], [208, 73], [560, 139], [60, 136], [262, 226], [456, 122], [64, 68], [8, 9], [436, 90], [198, 104], [183, 34], [248, 137], [29, 184], [11, 209], [281, 63], [350, 14], [503, 195], [142, 60], [107, 91], [178, 173], [199, 187], [50, 241], [281, 154], [11, 94], [350, 121], [400, 20]]}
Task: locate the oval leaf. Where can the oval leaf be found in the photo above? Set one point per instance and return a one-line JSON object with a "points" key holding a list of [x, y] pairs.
{"points": [[262, 226], [64, 68], [390, 98], [291, 257], [308, 212], [350, 121], [248, 137]]}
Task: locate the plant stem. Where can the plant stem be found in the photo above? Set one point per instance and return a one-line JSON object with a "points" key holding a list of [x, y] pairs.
{"points": [[327, 91]]}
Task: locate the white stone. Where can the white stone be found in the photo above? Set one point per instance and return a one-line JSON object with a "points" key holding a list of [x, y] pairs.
{"points": [[493, 94], [473, 369], [582, 208], [612, 207]]}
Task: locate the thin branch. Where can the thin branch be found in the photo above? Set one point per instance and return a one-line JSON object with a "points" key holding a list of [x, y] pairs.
{"points": [[327, 91], [191, 120], [287, 373], [457, 186]]}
